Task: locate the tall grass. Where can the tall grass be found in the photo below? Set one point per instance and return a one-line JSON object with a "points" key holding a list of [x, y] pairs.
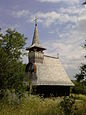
{"points": [[35, 105], [32, 105]]}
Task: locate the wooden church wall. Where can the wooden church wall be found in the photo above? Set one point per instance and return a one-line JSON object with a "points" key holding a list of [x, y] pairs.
{"points": [[47, 91]]}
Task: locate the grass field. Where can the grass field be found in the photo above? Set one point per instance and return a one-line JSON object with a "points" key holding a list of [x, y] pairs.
{"points": [[35, 105]]}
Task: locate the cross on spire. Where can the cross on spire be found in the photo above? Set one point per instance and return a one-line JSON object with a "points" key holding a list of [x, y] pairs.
{"points": [[35, 21]]}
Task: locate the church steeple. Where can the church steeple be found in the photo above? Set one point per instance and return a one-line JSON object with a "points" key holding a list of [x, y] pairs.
{"points": [[36, 46], [36, 53]]}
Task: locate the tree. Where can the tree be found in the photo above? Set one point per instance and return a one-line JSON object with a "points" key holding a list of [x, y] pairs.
{"points": [[11, 67], [82, 75]]}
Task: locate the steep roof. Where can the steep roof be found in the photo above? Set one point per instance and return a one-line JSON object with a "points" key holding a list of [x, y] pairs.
{"points": [[51, 72]]}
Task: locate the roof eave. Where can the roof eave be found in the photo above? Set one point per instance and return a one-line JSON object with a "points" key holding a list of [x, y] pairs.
{"points": [[70, 85], [29, 48]]}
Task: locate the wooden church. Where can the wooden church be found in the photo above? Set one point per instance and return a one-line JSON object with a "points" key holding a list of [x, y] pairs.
{"points": [[45, 73]]}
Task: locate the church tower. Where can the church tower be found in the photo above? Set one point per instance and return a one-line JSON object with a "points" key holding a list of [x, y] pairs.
{"points": [[36, 54]]}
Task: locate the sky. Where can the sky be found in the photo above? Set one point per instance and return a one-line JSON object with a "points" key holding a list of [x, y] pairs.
{"points": [[61, 27]]}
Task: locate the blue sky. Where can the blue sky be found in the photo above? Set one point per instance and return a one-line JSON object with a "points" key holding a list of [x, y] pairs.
{"points": [[61, 26]]}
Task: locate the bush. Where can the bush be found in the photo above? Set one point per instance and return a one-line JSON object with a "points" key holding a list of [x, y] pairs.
{"points": [[67, 105], [79, 88]]}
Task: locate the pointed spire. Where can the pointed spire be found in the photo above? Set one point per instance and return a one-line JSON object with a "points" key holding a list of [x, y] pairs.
{"points": [[35, 42], [35, 36]]}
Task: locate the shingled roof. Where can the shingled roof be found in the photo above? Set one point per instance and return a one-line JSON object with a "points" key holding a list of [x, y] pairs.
{"points": [[51, 72]]}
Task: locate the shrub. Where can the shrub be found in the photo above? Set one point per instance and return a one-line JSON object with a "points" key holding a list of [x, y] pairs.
{"points": [[67, 105], [79, 88]]}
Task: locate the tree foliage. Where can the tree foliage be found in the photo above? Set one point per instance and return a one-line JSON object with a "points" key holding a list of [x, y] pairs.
{"points": [[67, 105], [82, 75], [11, 67]]}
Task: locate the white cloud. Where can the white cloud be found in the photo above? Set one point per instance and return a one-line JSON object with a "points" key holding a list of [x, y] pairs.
{"points": [[51, 32], [46, 18], [54, 17], [70, 49], [70, 42], [82, 20], [20, 13], [52, 1], [70, 10], [57, 1]]}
